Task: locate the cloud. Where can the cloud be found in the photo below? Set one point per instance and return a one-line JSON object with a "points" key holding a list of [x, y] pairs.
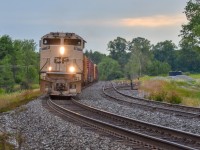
{"points": [[149, 21], [154, 21]]}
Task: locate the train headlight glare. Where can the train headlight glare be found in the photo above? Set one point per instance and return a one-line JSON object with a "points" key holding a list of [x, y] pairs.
{"points": [[50, 68], [62, 50], [71, 69]]}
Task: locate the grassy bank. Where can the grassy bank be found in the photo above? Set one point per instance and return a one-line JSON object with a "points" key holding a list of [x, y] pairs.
{"points": [[176, 91], [13, 100]]}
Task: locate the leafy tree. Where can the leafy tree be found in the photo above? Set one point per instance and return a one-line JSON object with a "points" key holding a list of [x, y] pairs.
{"points": [[6, 46], [140, 47], [165, 52], [188, 59], [6, 78], [191, 31], [109, 69], [157, 68], [117, 49], [133, 67], [189, 56], [19, 62], [95, 56]]}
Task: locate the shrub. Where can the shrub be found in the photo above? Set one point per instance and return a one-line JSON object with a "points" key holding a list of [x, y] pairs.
{"points": [[173, 97], [2, 91], [158, 96], [186, 73], [25, 85]]}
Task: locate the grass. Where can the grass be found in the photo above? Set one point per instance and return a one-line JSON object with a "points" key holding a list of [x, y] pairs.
{"points": [[146, 78], [5, 145], [195, 76], [173, 91], [12, 100]]}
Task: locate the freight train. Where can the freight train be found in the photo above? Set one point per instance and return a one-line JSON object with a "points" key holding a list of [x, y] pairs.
{"points": [[64, 69]]}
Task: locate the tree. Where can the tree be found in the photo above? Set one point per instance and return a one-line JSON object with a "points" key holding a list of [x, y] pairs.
{"points": [[157, 68], [95, 56], [140, 48], [188, 58], [191, 31], [165, 52], [117, 49], [19, 63], [109, 69], [6, 46], [6, 77], [30, 59], [133, 67]]}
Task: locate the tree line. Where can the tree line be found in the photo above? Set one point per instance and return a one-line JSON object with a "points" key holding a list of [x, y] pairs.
{"points": [[19, 64], [139, 57], [19, 60]]}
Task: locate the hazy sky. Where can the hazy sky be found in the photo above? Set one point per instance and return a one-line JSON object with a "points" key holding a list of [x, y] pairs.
{"points": [[97, 21]]}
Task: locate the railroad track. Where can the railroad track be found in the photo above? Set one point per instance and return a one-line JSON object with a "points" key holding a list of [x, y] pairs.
{"points": [[136, 134], [178, 110]]}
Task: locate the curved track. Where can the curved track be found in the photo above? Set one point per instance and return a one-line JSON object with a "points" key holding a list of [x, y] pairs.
{"points": [[136, 133], [178, 110]]}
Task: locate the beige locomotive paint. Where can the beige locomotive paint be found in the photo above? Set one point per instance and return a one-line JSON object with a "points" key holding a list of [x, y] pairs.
{"points": [[60, 74]]}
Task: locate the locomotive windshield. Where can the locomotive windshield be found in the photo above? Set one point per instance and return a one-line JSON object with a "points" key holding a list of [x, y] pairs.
{"points": [[76, 42], [51, 41]]}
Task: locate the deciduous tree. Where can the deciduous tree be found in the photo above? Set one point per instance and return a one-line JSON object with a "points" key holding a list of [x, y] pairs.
{"points": [[165, 52], [191, 31], [117, 49], [140, 48]]}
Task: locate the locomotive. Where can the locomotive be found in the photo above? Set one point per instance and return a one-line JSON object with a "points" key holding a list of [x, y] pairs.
{"points": [[64, 70]]}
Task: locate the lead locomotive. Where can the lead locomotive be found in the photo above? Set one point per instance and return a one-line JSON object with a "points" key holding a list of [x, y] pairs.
{"points": [[63, 67]]}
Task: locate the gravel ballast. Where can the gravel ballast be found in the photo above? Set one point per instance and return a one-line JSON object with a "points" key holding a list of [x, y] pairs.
{"points": [[92, 96], [36, 128]]}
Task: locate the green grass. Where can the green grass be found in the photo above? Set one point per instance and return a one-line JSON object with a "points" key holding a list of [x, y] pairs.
{"points": [[195, 76], [173, 91], [12, 100], [145, 78]]}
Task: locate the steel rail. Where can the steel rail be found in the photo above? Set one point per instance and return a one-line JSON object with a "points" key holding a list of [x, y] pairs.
{"points": [[119, 131], [154, 106], [165, 132], [179, 106]]}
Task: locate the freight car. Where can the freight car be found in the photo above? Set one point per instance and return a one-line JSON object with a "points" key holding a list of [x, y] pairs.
{"points": [[64, 70]]}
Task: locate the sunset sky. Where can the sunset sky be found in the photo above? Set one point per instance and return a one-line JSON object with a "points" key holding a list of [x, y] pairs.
{"points": [[97, 21]]}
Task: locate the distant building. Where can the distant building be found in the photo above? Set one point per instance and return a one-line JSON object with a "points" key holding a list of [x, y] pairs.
{"points": [[175, 73]]}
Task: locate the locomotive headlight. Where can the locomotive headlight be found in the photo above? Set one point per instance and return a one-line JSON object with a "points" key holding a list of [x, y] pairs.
{"points": [[50, 68], [62, 50], [71, 69]]}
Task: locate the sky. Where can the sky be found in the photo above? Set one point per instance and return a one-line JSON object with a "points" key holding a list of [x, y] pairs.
{"points": [[97, 21]]}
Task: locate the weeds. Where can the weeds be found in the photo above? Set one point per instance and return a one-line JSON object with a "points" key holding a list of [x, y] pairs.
{"points": [[13, 100], [172, 91], [157, 96], [173, 97], [4, 145]]}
